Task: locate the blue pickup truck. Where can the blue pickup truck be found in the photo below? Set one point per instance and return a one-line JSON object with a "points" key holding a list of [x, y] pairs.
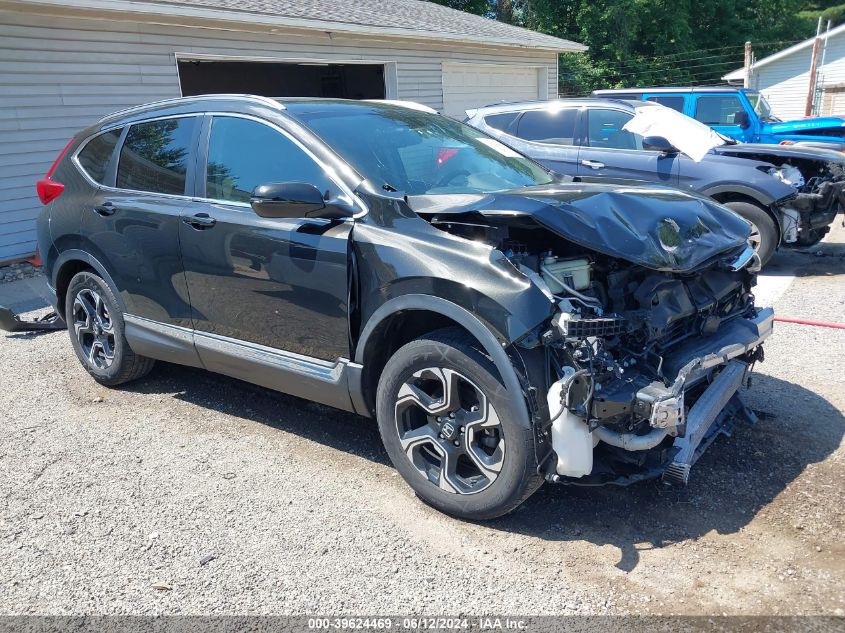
{"points": [[739, 113]]}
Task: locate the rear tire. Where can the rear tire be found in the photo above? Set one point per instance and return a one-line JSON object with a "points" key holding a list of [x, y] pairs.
{"points": [[765, 235], [96, 327], [452, 430]]}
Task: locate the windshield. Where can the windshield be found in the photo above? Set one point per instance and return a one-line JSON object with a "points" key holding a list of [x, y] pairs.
{"points": [[760, 105], [418, 153]]}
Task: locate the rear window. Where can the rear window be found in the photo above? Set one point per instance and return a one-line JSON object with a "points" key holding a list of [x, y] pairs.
{"points": [[95, 156], [155, 156], [500, 121], [555, 127]]}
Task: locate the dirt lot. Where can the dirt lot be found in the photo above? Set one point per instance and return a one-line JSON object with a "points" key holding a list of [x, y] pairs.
{"points": [[188, 492]]}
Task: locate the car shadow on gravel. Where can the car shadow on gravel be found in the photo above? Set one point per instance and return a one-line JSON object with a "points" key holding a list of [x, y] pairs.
{"points": [[337, 429], [730, 484]]}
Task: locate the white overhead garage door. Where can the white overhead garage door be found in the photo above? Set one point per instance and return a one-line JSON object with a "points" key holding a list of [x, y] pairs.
{"points": [[468, 86]]}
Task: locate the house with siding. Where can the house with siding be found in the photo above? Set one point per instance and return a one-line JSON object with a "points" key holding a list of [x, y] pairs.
{"points": [[66, 63], [784, 77]]}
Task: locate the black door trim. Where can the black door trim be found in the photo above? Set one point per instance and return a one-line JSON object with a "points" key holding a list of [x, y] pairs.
{"points": [[310, 378]]}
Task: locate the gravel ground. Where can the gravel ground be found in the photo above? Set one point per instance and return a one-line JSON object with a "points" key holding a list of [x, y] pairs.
{"points": [[191, 493], [17, 271]]}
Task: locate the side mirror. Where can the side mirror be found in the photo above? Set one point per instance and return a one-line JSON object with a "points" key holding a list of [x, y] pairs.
{"points": [[659, 144], [741, 119], [293, 200]]}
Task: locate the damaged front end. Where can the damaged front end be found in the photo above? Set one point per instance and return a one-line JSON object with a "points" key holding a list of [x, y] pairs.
{"points": [[818, 176], [654, 327], [656, 380]]}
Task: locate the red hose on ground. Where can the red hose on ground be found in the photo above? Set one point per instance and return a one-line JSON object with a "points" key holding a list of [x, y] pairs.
{"points": [[838, 326]]}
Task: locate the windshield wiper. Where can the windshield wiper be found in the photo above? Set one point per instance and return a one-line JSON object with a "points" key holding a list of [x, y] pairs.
{"points": [[390, 188]]}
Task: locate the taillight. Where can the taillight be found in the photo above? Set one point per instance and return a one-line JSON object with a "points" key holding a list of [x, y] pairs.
{"points": [[36, 260], [47, 188]]}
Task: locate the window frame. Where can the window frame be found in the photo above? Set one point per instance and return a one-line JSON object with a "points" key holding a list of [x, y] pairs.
{"points": [[111, 170], [200, 181], [585, 132]]}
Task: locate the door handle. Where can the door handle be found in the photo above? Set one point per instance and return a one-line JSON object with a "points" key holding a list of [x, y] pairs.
{"points": [[105, 209], [592, 164], [200, 221]]}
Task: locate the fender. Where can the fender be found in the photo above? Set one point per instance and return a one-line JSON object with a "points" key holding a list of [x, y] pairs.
{"points": [[79, 255], [761, 197], [459, 315]]}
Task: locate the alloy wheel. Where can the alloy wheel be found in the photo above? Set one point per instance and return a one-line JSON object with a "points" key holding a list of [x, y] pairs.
{"points": [[449, 430], [754, 239], [94, 328]]}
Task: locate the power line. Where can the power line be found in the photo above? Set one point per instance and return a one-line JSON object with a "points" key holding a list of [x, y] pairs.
{"points": [[685, 56], [674, 63], [653, 70], [690, 56]]}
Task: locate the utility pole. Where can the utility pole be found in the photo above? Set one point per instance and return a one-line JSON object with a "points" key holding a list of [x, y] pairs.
{"points": [[746, 82], [819, 104], [811, 84]]}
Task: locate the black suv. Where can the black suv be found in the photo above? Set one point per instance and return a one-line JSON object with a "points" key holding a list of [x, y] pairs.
{"points": [[503, 326]]}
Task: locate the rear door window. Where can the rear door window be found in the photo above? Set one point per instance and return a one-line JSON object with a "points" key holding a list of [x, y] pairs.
{"points": [[675, 102], [554, 127], [717, 109], [604, 129], [95, 156], [155, 156]]}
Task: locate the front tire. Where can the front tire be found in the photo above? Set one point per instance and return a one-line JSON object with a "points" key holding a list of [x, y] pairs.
{"points": [[96, 327], [764, 232], [452, 430]]}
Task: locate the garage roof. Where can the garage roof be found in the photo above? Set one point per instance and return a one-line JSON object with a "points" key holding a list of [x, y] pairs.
{"points": [[397, 18]]}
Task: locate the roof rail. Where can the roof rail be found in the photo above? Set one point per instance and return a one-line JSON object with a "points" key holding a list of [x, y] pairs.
{"points": [[176, 100], [550, 102]]}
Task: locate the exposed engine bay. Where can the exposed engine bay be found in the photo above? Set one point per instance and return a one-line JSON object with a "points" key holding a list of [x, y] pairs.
{"points": [[820, 184], [643, 365]]}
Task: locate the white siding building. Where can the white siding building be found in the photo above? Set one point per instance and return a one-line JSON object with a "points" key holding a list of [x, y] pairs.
{"points": [[784, 77], [66, 63]]}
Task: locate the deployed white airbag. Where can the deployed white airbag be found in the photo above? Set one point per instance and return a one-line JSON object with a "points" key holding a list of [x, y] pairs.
{"points": [[691, 137]]}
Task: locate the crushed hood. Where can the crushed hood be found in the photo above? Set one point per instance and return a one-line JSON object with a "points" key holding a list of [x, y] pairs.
{"points": [[658, 228], [781, 152]]}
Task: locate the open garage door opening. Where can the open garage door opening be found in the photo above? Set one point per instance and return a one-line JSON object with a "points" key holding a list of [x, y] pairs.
{"points": [[271, 79]]}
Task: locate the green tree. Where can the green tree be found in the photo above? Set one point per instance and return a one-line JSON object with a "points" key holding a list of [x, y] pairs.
{"points": [[479, 7], [648, 42]]}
